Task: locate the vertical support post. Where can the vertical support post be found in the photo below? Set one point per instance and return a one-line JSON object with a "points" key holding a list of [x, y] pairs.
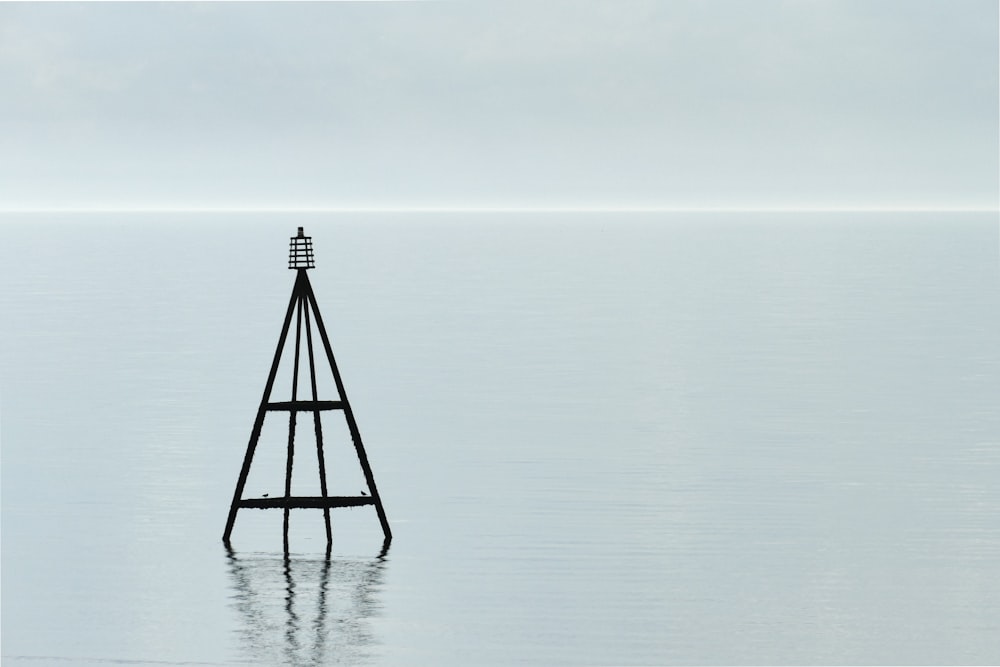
{"points": [[293, 413], [259, 421], [348, 414], [317, 424]]}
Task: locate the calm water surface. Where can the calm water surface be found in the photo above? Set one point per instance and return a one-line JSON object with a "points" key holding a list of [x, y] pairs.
{"points": [[600, 439]]}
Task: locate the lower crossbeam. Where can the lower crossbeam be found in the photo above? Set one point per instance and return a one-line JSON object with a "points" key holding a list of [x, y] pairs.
{"points": [[294, 502]]}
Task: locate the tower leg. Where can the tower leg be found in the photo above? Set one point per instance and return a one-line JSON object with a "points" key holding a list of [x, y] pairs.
{"points": [[292, 415], [349, 414], [259, 421], [317, 424]]}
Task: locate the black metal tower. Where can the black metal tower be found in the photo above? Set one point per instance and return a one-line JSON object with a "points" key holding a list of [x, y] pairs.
{"points": [[302, 303]]}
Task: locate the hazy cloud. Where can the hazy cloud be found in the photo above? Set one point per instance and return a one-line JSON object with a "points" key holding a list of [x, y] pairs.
{"points": [[638, 102]]}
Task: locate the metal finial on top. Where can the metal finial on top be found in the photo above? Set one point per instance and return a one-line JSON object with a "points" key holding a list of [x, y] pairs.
{"points": [[300, 252]]}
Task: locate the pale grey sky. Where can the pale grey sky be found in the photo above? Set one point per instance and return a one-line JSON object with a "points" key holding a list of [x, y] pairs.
{"points": [[762, 103]]}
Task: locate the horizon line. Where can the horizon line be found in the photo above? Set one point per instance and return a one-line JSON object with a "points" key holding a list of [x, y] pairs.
{"points": [[503, 209]]}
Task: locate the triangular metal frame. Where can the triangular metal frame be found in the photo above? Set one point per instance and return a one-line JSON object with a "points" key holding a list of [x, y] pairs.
{"points": [[302, 302]]}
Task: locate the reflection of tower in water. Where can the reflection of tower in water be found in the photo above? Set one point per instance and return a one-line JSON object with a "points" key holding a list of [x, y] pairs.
{"points": [[305, 611]]}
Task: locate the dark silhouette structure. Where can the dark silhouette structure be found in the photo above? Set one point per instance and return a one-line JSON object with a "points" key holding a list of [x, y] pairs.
{"points": [[303, 305]]}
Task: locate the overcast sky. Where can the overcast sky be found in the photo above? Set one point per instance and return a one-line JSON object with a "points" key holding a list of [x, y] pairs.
{"points": [[762, 103]]}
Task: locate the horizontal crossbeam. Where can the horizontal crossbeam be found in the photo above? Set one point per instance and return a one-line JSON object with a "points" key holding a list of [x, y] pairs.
{"points": [[294, 502], [304, 406]]}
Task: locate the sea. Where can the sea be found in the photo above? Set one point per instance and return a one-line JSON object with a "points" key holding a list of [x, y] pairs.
{"points": [[600, 438]]}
